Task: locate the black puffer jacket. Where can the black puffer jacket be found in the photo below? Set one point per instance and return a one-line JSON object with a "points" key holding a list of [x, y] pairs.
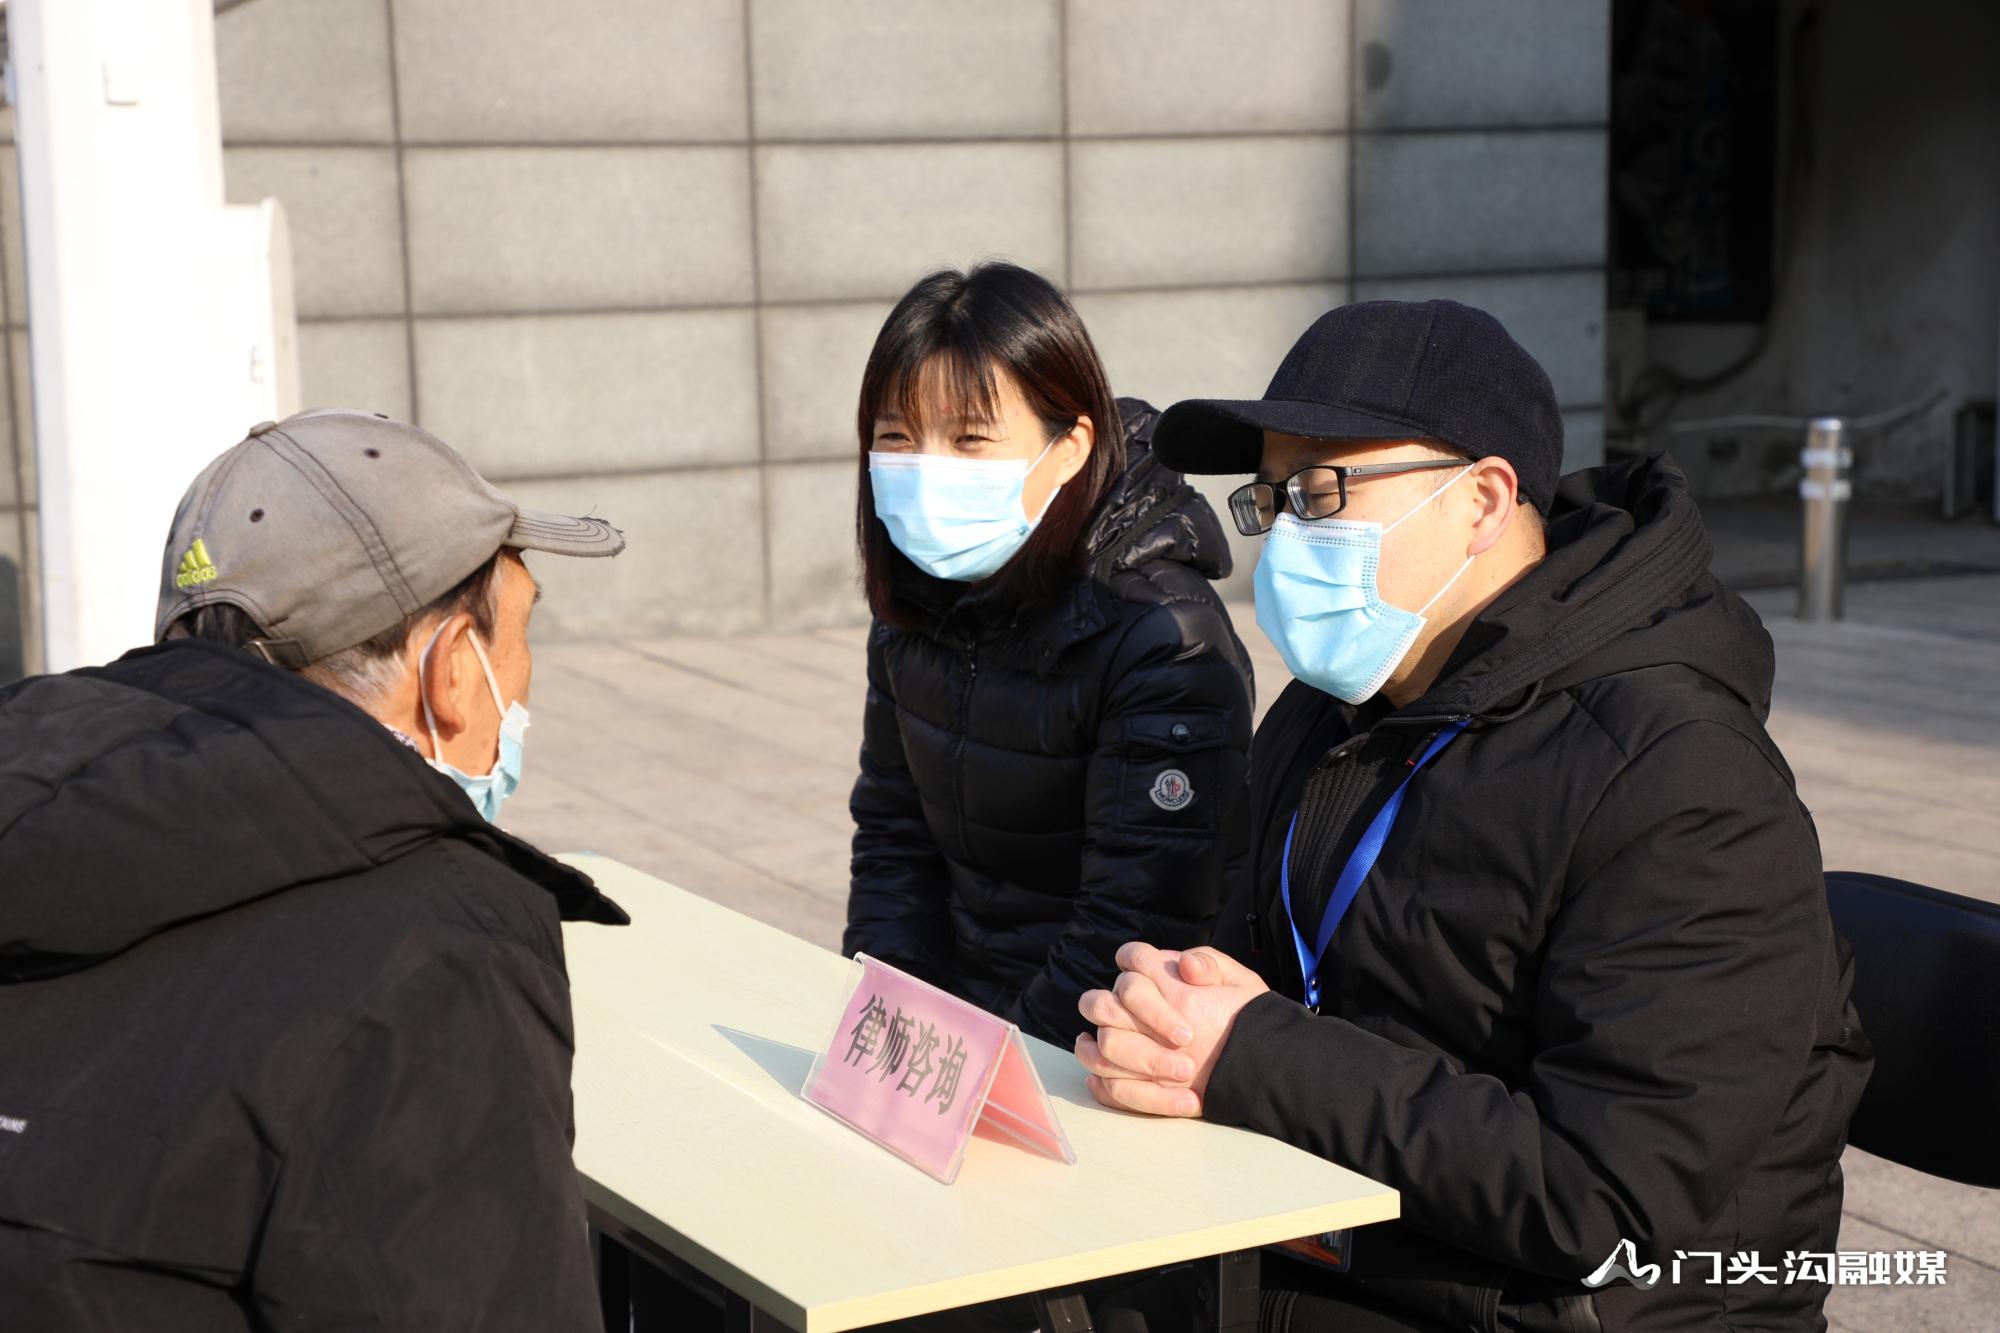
{"points": [[1034, 794], [1590, 992], [284, 1029]]}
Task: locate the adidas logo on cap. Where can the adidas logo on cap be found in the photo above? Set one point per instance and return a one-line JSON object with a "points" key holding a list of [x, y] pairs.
{"points": [[196, 567]]}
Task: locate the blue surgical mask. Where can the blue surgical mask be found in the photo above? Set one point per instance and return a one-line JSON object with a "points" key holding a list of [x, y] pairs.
{"points": [[488, 791], [955, 518], [1318, 601]]}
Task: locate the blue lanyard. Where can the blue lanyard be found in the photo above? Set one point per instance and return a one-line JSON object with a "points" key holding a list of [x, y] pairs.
{"points": [[1366, 852]]}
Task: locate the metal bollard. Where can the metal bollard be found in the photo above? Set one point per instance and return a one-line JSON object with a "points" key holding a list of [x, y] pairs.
{"points": [[1826, 488]]}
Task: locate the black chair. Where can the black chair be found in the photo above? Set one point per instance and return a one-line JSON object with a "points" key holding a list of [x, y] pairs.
{"points": [[1927, 985]]}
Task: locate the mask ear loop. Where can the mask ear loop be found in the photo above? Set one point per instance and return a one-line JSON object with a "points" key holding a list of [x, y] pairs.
{"points": [[492, 685], [1447, 586], [1464, 472], [1045, 452], [1050, 503], [423, 695]]}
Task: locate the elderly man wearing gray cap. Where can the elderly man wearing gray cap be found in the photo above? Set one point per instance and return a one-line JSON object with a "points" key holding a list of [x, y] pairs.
{"points": [[288, 1035]]}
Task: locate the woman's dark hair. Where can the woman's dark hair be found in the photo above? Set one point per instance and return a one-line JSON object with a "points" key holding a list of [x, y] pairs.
{"points": [[952, 333]]}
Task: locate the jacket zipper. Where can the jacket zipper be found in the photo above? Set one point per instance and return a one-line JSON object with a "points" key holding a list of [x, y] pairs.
{"points": [[964, 722], [1342, 750], [1253, 918]]}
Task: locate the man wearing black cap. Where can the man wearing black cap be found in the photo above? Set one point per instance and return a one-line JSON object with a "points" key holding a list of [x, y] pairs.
{"points": [[287, 1033], [1537, 932]]}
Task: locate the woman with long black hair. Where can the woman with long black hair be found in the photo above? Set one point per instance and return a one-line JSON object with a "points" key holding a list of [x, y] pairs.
{"points": [[1058, 716]]}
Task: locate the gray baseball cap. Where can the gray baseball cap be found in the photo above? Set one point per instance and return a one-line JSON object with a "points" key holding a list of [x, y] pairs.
{"points": [[331, 526]]}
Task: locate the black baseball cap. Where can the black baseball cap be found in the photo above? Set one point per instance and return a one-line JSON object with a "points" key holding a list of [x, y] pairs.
{"points": [[1387, 370]]}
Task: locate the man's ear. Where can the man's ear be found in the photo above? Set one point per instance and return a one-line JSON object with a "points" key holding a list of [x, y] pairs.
{"points": [[445, 675], [1496, 490]]}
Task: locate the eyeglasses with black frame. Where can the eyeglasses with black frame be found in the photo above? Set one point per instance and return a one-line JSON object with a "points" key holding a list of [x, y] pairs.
{"points": [[1313, 492]]}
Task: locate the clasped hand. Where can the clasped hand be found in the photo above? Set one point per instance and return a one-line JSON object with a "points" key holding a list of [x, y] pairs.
{"points": [[1161, 1026]]}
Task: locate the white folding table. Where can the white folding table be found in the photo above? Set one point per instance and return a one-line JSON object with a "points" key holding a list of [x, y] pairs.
{"points": [[695, 1028]]}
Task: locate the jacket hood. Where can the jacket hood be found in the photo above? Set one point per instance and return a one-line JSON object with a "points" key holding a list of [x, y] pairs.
{"points": [[1625, 585], [190, 778], [1152, 513]]}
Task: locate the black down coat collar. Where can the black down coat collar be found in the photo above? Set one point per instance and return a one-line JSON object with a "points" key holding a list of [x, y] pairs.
{"points": [[190, 778], [1625, 586]]}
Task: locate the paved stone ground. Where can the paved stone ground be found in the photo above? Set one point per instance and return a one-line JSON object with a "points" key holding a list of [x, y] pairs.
{"points": [[724, 765], [1757, 541]]}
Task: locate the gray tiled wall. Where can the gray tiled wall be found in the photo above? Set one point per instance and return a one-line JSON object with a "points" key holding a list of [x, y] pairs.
{"points": [[583, 71], [906, 69], [1426, 64], [341, 206], [846, 221], [20, 628], [316, 71], [1478, 202], [812, 360], [675, 386], [630, 258], [1152, 213], [1144, 67]]}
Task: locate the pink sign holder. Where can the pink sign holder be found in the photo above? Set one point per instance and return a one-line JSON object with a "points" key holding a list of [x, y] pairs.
{"points": [[920, 1072]]}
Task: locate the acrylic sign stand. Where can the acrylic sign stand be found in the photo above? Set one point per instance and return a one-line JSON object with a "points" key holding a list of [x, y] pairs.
{"points": [[920, 1072]]}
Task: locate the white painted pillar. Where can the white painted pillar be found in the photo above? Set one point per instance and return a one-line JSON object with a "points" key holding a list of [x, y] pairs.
{"points": [[160, 321]]}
